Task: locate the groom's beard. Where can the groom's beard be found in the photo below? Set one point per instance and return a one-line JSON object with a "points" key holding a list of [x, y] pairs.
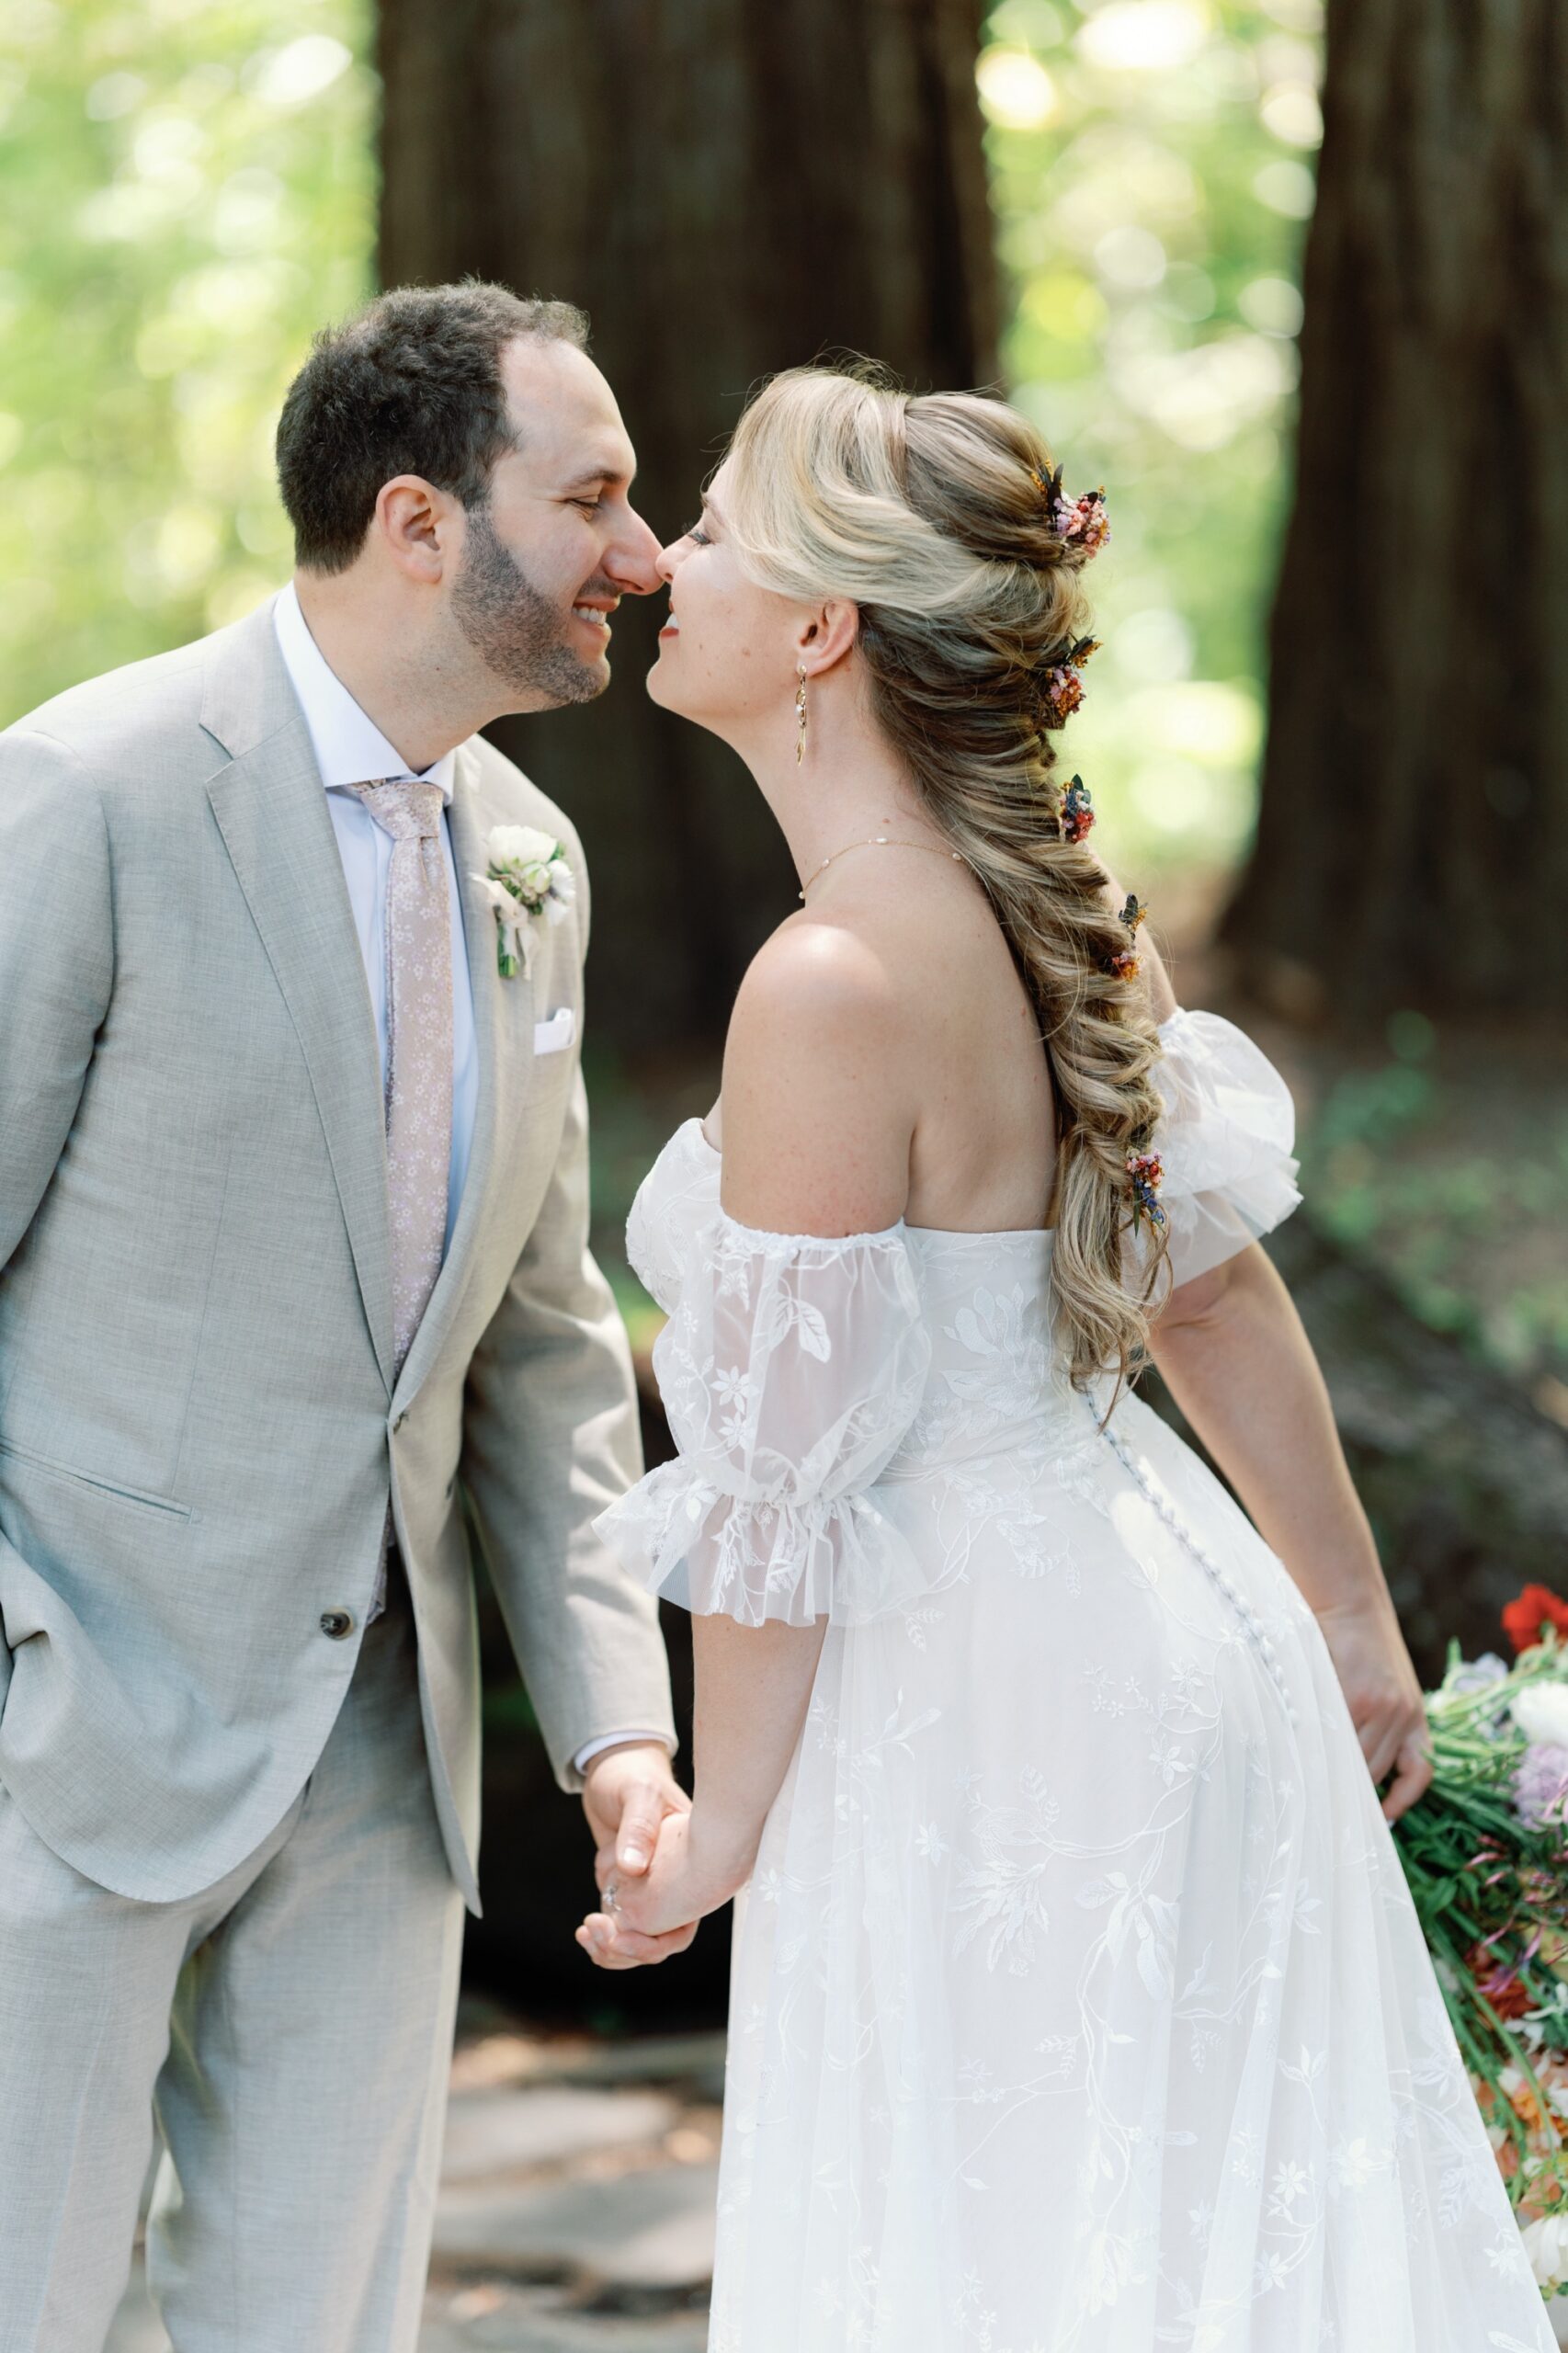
{"points": [[519, 635]]}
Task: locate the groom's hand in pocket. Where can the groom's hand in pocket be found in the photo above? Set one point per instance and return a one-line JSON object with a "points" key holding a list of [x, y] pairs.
{"points": [[628, 1793]]}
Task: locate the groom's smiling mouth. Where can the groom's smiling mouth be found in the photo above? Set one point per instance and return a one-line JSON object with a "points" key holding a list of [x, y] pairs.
{"points": [[595, 614]]}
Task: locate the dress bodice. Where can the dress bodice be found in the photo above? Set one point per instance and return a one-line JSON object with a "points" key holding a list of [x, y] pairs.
{"points": [[807, 1377], [980, 1301]]}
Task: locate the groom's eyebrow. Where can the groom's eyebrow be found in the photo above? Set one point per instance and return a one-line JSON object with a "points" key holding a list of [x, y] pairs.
{"points": [[596, 474]]}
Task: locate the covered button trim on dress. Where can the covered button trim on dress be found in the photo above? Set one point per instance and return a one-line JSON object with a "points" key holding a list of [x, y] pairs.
{"points": [[1138, 1471]]}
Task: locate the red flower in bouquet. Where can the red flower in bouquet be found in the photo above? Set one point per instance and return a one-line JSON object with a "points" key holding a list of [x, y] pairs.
{"points": [[1525, 1616]]}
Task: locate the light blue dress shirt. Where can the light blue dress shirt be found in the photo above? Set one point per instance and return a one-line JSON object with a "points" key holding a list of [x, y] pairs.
{"points": [[350, 749]]}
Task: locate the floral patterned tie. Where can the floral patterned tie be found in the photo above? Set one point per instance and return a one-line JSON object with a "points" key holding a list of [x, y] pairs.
{"points": [[419, 1055]]}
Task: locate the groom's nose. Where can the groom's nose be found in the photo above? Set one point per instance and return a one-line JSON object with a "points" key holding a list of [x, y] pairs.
{"points": [[631, 559]]}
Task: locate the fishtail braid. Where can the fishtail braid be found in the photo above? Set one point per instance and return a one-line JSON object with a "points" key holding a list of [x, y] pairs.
{"points": [[938, 517]]}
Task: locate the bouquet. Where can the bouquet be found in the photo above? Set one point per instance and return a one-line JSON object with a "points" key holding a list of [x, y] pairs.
{"points": [[1485, 1851]]}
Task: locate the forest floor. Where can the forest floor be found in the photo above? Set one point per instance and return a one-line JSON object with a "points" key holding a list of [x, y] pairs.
{"points": [[1436, 1154], [576, 2207]]}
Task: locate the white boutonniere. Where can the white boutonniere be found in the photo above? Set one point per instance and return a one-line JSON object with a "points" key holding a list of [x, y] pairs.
{"points": [[526, 877]]}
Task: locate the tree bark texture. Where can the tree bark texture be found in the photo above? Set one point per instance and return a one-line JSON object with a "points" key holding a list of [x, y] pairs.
{"points": [[727, 189], [1412, 838]]}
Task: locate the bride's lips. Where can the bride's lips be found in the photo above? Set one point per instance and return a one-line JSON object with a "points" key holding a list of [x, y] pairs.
{"points": [[671, 629]]}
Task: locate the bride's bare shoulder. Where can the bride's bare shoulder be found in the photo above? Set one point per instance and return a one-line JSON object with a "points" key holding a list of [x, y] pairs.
{"points": [[814, 970], [818, 1104]]}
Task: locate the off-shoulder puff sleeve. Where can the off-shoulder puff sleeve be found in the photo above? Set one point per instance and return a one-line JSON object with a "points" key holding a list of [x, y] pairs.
{"points": [[1224, 1141], [791, 1368]]}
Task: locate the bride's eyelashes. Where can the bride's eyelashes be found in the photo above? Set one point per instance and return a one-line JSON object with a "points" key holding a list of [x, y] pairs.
{"points": [[695, 532]]}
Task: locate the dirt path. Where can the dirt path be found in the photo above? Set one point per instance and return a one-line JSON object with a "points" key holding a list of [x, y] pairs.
{"points": [[576, 2211]]}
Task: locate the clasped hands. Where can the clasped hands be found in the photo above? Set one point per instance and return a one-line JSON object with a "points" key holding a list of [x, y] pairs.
{"points": [[662, 1863]]}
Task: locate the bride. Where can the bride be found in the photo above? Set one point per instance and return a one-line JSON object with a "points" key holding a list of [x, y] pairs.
{"points": [[1078, 2001]]}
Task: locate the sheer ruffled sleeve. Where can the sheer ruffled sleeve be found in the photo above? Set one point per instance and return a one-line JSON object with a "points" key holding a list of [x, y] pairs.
{"points": [[1224, 1141], [791, 1368]]}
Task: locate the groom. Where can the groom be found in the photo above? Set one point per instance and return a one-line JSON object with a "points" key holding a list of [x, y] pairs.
{"points": [[294, 1215]]}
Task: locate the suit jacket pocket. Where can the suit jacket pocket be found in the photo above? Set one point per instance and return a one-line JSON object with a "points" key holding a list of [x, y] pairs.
{"points": [[72, 1477]]}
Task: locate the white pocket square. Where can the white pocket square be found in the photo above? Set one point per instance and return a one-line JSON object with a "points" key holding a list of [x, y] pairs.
{"points": [[550, 1036]]}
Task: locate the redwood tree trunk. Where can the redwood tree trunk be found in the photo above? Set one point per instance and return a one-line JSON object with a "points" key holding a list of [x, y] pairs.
{"points": [[1413, 837], [727, 189]]}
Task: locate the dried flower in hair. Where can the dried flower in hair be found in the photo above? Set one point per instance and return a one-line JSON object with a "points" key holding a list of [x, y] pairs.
{"points": [[1089, 525], [1062, 690], [1077, 815], [1145, 1173], [1063, 693], [1124, 963], [1082, 522]]}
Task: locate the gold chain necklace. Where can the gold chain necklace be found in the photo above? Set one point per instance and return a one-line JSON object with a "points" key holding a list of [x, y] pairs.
{"points": [[878, 841]]}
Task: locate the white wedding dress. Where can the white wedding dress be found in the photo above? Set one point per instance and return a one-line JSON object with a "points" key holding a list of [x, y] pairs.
{"points": [[1078, 2001]]}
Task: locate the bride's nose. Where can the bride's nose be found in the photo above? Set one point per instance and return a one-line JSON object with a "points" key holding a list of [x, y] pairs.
{"points": [[667, 561]]}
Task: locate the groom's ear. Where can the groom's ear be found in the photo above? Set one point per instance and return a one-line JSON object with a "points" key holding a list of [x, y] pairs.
{"points": [[829, 635], [418, 526]]}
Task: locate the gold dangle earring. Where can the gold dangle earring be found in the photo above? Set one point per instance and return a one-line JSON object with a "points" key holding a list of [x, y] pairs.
{"points": [[801, 715]]}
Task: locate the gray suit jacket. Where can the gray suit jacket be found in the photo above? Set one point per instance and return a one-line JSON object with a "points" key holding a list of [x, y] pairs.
{"points": [[197, 1419]]}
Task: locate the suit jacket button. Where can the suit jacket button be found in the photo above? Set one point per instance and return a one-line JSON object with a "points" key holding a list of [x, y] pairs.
{"points": [[338, 1623]]}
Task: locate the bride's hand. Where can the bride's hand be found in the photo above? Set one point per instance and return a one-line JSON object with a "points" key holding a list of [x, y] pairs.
{"points": [[696, 1868], [1382, 1691]]}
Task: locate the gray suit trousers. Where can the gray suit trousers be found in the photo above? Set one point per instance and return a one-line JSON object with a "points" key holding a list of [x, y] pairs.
{"points": [[288, 2031]]}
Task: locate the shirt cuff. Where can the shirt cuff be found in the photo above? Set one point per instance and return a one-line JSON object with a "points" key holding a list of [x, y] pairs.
{"points": [[613, 1739]]}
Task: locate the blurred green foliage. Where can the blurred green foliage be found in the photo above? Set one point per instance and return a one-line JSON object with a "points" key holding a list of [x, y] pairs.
{"points": [[1447, 1165], [1152, 167], [187, 191]]}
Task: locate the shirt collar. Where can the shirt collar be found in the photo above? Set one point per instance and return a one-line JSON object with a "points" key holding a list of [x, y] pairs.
{"points": [[349, 747]]}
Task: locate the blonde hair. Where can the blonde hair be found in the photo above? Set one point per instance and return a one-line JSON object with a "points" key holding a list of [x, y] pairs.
{"points": [[928, 512]]}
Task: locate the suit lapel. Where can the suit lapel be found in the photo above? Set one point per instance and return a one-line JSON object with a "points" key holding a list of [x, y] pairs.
{"points": [[503, 1030], [271, 811]]}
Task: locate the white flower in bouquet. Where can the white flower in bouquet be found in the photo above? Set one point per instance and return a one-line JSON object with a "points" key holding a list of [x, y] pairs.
{"points": [[1541, 1713], [1546, 2243], [527, 875]]}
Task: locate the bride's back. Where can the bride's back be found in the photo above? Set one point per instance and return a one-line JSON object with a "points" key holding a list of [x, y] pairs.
{"points": [[948, 1030], [983, 1148], [964, 1042]]}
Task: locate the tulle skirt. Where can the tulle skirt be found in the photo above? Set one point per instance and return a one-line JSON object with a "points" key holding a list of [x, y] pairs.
{"points": [[1079, 2005]]}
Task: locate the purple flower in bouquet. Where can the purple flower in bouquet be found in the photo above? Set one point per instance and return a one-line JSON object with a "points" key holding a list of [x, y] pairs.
{"points": [[1475, 1674], [1540, 1784]]}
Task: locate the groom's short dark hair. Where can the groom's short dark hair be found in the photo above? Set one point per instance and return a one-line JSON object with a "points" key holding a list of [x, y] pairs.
{"points": [[411, 385]]}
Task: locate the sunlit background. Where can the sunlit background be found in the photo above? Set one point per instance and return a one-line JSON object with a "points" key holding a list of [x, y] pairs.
{"points": [[187, 190]]}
